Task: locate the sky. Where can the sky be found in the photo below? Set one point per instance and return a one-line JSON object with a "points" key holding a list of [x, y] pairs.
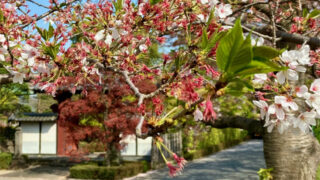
{"points": [[35, 9]]}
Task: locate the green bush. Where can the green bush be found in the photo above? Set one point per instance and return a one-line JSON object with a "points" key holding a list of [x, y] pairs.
{"points": [[199, 142], [5, 160], [7, 133], [94, 171]]}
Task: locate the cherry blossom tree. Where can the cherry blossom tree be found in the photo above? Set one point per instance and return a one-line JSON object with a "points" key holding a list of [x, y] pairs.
{"points": [[192, 51]]}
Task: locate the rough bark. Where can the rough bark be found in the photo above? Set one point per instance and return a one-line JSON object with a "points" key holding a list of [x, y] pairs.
{"points": [[292, 155]]}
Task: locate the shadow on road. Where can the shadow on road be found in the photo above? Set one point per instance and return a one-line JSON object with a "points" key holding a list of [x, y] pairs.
{"points": [[240, 162]]}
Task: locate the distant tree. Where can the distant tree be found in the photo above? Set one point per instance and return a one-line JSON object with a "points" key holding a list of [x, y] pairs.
{"points": [[107, 116], [9, 98]]}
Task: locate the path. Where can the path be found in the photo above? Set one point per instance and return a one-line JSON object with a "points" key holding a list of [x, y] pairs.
{"points": [[240, 162]]}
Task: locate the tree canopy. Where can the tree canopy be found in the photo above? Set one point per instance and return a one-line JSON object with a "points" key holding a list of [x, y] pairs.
{"points": [[186, 52]]}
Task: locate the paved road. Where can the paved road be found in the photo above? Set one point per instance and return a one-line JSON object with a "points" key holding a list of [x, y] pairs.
{"points": [[240, 162]]}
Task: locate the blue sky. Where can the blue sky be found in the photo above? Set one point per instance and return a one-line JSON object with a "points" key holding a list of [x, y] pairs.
{"points": [[35, 9]]}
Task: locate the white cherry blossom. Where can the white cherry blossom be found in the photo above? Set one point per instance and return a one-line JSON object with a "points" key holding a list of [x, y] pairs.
{"points": [[288, 57], [301, 91], [280, 125], [263, 107], [100, 35], [29, 53], [302, 55], [288, 74], [259, 78], [108, 39], [315, 86], [3, 51], [211, 2], [289, 105], [2, 38], [314, 102], [222, 11], [18, 77], [198, 115], [143, 47], [304, 121]]}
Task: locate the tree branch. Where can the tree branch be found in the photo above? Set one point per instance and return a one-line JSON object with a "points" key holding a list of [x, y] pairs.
{"points": [[47, 14], [251, 125], [314, 42]]}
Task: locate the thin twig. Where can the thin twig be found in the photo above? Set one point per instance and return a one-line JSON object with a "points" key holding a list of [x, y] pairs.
{"points": [[273, 23], [38, 4], [246, 7], [46, 14]]}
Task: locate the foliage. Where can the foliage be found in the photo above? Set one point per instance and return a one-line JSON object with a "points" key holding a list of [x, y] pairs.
{"points": [[236, 106], [93, 171], [9, 101], [265, 174], [112, 46], [6, 133], [198, 142], [5, 160], [87, 119]]}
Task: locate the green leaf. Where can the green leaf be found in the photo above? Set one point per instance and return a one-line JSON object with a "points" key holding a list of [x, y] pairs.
{"points": [[63, 4], [50, 31], [305, 12], [118, 5], [210, 17], [215, 37], [259, 66], [233, 52], [1, 17], [314, 14], [129, 98], [204, 41], [40, 31], [265, 52], [238, 87], [153, 2]]}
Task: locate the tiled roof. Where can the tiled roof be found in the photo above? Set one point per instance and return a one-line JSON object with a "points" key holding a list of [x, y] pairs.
{"points": [[34, 117]]}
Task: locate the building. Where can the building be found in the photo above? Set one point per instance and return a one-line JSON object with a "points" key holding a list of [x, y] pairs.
{"points": [[41, 134]]}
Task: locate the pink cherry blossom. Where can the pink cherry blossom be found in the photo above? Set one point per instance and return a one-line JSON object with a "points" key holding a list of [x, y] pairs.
{"points": [[209, 113], [172, 169], [179, 160]]}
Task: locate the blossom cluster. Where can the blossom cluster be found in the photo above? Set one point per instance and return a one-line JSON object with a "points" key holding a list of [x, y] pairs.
{"points": [[298, 105]]}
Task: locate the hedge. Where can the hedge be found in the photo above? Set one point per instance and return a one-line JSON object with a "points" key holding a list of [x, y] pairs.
{"points": [[93, 171], [199, 143], [5, 160]]}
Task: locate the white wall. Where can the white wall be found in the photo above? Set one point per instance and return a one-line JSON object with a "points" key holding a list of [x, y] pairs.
{"points": [[30, 137], [144, 146], [48, 138]]}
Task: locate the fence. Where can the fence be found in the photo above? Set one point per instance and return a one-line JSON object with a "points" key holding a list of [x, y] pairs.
{"points": [[173, 141]]}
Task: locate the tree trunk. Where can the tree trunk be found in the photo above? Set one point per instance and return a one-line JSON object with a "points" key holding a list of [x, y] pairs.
{"points": [[292, 155]]}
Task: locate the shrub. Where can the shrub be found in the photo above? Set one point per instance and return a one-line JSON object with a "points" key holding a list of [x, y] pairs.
{"points": [[5, 160], [94, 171], [7, 133], [208, 142]]}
